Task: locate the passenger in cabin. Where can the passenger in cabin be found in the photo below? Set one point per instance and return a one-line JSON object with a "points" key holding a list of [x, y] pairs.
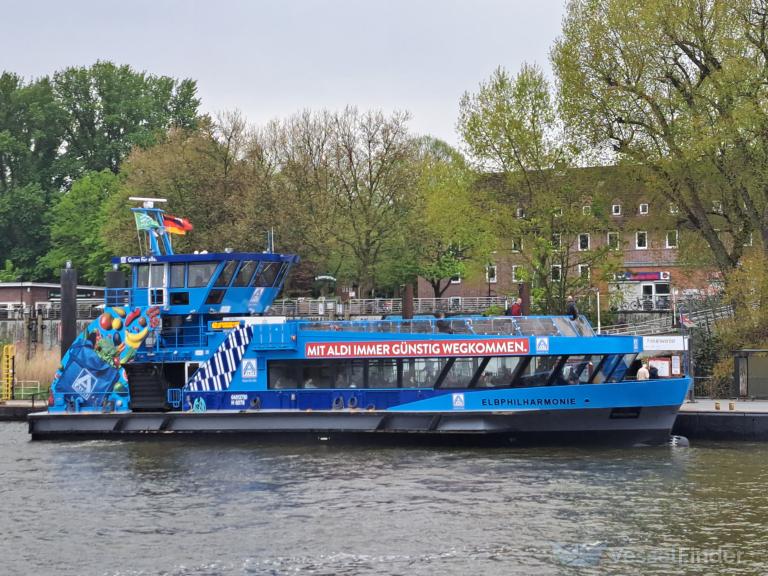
{"points": [[570, 308], [443, 325], [485, 380], [643, 373], [653, 372], [573, 376]]}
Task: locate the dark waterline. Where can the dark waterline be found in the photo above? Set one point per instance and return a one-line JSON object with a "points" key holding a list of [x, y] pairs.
{"points": [[239, 507]]}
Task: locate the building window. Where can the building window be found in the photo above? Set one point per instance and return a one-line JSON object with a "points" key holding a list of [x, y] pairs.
{"points": [[673, 209], [557, 212], [616, 209], [748, 241], [613, 240], [556, 272], [586, 210], [671, 238], [584, 271], [517, 245], [520, 212], [490, 274], [717, 207], [643, 208], [455, 279], [556, 242], [641, 240], [515, 273], [583, 242]]}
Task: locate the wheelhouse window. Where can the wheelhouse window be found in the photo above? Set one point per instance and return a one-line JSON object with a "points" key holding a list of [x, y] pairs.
{"points": [[177, 276], [200, 273], [267, 274], [641, 240], [143, 272], [244, 274], [226, 274]]}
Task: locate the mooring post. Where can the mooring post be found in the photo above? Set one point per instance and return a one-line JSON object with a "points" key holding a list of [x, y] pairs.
{"points": [[68, 307]]}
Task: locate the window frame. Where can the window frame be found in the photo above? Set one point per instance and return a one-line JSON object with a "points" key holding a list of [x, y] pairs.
{"points": [[495, 278], [586, 267], [616, 209], [586, 210], [559, 268], [618, 241], [589, 242], [641, 211], [637, 238], [666, 239]]}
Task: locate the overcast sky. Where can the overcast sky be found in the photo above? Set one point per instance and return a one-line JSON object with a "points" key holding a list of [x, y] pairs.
{"points": [[271, 58]]}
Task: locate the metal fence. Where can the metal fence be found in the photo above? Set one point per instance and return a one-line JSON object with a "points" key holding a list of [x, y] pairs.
{"points": [[382, 306]]}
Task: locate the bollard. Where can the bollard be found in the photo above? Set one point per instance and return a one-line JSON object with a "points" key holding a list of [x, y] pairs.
{"points": [[717, 405], [731, 405]]}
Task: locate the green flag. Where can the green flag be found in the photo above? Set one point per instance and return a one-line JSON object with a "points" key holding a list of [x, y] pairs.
{"points": [[145, 222]]}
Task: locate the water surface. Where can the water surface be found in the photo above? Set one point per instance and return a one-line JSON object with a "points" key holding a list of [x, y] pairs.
{"points": [[182, 506]]}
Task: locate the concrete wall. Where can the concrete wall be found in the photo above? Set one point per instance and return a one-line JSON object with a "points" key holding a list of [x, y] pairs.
{"points": [[15, 331]]}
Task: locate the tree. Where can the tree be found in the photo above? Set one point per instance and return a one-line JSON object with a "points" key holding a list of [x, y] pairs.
{"points": [[679, 89], [347, 180], [24, 233], [449, 233], [110, 109], [76, 226], [510, 125]]}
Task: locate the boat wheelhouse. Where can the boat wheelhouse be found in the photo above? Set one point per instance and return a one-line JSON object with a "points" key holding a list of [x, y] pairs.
{"points": [[185, 345]]}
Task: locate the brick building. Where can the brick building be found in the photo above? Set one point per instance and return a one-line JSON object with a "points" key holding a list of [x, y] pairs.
{"points": [[649, 244]]}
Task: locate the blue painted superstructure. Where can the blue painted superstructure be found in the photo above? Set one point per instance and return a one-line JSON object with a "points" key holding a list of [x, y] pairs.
{"points": [[186, 346]]}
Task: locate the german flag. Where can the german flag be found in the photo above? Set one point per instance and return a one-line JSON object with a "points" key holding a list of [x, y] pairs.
{"points": [[176, 225]]}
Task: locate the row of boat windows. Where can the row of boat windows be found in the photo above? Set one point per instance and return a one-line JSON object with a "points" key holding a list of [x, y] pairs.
{"points": [[489, 372], [238, 274]]}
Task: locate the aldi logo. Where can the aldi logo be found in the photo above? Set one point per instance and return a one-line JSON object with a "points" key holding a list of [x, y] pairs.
{"points": [[542, 344], [458, 401], [84, 384], [249, 369]]}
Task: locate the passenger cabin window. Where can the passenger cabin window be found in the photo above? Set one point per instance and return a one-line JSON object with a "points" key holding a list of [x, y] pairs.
{"points": [[268, 273], [177, 276], [142, 276], [244, 274], [200, 274], [226, 274]]}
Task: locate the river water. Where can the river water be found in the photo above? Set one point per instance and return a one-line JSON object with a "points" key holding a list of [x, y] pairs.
{"points": [[186, 507]]}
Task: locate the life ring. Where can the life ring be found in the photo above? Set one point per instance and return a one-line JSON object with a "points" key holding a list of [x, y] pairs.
{"points": [[352, 403], [371, 407], [256, 403], [338, 403]]}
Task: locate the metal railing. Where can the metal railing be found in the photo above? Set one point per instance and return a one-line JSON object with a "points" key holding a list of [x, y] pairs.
{"points": [[382, 306]]}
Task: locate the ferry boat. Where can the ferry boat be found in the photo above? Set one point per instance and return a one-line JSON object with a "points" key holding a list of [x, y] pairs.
{"points": [[185, 345]]}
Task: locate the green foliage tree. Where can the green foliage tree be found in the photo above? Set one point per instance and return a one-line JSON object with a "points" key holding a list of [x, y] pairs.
{"points": [[449, 232], [510, 125], [679, 89], [24, 233], [110, 109], [76, 226]]}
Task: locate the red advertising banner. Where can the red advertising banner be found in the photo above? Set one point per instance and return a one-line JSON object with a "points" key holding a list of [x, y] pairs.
{"points": [[418, 348]]}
